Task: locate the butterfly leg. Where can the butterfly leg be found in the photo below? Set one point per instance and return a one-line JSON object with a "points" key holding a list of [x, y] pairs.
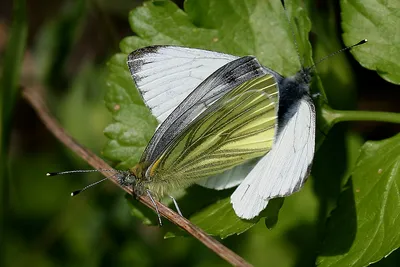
{"points": [[176, 205], [155, 206], [315, 96]]}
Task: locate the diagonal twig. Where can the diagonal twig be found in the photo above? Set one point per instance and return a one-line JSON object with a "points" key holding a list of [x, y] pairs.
{"points": [[35, 99]]}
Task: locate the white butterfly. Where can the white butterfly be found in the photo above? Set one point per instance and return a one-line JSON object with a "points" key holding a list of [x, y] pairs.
{"points": [[166, 75]]}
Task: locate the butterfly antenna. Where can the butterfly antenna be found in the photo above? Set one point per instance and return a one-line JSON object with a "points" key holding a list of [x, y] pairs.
{"points": [[79, 171], [89, 186], [85, 171], [338, 52], [293, 35]]}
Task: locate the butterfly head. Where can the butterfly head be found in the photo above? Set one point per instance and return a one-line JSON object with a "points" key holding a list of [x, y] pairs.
{"points": [[134, 177], [126, 178], [129, 179], [305, 75]]}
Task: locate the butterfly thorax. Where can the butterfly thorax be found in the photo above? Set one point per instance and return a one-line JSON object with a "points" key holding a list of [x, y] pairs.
{"points": [[296, 86], [144, 178], [139, 181], [291, 90]]}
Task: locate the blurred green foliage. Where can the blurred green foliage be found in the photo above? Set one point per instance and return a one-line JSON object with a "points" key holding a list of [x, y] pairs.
{"points": [[69, 43]]}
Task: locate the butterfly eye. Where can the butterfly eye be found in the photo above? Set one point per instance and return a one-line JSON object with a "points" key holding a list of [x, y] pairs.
{"points": [[126, 178]]}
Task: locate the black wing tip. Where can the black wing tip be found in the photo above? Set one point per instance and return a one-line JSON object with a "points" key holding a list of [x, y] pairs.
{"points": [[136, 58], [138, 53]]}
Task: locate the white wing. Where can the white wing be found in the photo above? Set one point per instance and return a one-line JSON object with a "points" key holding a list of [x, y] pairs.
{"points": [[166, 75], [229, 178], [245, 200], [284, 169]]}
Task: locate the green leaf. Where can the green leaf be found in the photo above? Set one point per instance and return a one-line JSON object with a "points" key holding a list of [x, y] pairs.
{"points": [[365, 227], [378, 22], [254, 27], [219, 219], [133, 124]]}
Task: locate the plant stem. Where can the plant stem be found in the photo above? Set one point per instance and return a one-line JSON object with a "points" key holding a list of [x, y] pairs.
{"points": [[367, 116], [336, 116]]}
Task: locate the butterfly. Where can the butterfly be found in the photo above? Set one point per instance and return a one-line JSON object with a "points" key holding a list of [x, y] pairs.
{"points": [[218, 111]]}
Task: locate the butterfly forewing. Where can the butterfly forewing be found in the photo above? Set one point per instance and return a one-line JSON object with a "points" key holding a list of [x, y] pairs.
{"points": [[219, 83], [237, 127], [166, 75]]}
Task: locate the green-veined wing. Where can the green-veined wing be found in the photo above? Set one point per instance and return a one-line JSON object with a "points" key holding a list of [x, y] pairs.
{"points": [[237, 127]]}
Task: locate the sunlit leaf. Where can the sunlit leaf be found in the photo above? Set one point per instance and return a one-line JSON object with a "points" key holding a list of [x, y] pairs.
{"points": [[377, 21]]}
